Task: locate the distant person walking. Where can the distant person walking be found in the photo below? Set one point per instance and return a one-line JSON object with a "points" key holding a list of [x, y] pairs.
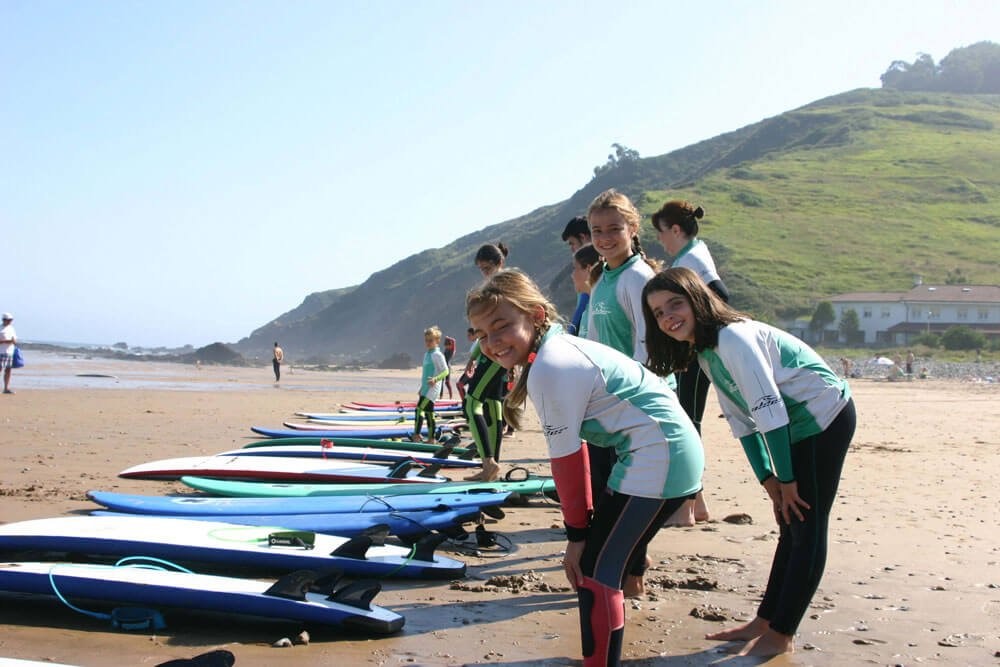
{"points": [[8, 340], [279, 356]]}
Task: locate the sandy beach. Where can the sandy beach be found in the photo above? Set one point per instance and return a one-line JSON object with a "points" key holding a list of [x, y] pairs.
{"points": [[913, 575]]}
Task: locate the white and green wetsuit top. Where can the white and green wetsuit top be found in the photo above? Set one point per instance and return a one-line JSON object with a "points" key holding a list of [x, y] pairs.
{"points": [[583, 390], [434, 367], [695, 256], [774, 390], [615, 314]]}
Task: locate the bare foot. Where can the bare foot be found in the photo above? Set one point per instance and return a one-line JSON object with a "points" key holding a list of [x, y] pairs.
{"points": [[745, 632], [634, 585], [491, 470], [768, 644], [683, 517], [701, 514]]}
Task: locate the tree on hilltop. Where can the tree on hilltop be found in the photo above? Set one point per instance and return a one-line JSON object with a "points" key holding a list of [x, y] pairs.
{"points": [[971, 69]]}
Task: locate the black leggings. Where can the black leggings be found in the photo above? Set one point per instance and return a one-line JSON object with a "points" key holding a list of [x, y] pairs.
{"points": [[602, 460], [801, 553], [425, 408], [692, 392]]}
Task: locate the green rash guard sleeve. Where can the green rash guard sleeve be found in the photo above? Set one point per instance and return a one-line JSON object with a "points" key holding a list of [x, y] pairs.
{"points": [[756, 451], [779, 444]]}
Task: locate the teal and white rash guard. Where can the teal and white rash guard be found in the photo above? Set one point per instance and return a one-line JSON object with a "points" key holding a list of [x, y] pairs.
{"points": [[583, 390], [695, 256], [615, 315], [772, 385]]}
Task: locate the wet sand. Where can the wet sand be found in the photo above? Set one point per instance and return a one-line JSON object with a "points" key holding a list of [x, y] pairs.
{"points": [[912, 575]]}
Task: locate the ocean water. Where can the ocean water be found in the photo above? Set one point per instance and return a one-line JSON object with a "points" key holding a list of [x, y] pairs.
{"points": [[71, 370]]}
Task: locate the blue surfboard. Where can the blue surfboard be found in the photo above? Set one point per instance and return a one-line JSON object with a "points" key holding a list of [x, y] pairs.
{"points": [[407, 525], [305, 595], [272, 548]]}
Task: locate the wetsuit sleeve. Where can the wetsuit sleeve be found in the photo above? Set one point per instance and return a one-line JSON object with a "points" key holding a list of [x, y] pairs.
{"points": [[560, 384], [779, 444], [720, 288], [440, 366], [751, 362], [756, 450], [581, 306]]}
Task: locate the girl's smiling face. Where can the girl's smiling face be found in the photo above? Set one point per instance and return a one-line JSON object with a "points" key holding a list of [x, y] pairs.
{"points": [[507, 334], [611, 235], [673, 314]]}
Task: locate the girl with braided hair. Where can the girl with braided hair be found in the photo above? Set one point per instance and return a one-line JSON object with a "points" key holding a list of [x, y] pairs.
{"points": [[584, 391], [614, 316]]}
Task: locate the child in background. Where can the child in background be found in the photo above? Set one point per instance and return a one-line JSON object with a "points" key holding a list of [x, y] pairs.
{"points": [[794, 417], [676, 225], [434, 371], [485, 391], [584, 260], [449, 352], [586, 391]]}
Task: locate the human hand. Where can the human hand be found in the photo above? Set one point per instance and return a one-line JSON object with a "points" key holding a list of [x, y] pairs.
{"points": [[571, 563], [791, 503]]}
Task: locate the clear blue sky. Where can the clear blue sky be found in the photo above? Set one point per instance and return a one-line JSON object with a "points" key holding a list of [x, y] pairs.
{"points": [[181, 172]]}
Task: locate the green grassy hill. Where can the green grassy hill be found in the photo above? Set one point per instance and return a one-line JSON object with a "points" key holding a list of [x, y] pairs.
{"points": [[860, 191]]}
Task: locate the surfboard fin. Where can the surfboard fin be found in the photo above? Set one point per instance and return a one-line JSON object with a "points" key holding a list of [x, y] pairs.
{"points": [[430, 471], [358, 594], [425, 546], [444, 452], [295, 585], [378, 533], [400, 469], [493, 511], [356, 548]]}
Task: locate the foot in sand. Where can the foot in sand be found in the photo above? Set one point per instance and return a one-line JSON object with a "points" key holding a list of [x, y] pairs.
{"points": [[683, 517], [755, 628], [768, 644], [701, 514], [634, 586], [491, 470]]}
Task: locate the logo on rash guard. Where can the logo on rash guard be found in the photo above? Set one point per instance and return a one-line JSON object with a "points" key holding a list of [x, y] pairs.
{"points": [[549, 430], [765, 402]]}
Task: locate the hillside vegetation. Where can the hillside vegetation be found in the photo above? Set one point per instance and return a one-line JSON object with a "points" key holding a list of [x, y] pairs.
{"points": [[860, 191]]}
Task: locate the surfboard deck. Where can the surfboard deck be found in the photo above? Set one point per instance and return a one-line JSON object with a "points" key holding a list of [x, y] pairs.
{"points": [[409, 526], [327, 449], [294, 599], [211, 505], [395, 445], [281, 468], [234, 488], [229, 544], [373, 433]]}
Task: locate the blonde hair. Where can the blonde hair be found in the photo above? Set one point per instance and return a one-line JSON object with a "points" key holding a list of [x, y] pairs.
{"points": [[612, 200], [521, 292], [432, 332]]}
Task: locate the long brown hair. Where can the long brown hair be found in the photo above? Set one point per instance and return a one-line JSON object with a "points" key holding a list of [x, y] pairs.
{"points": [[711, 313], [521, 292]]}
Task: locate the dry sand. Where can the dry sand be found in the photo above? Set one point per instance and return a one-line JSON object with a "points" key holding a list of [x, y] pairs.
{"points": [[912, 575]]}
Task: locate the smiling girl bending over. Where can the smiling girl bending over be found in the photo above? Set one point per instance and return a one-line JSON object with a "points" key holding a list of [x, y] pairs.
{"points": [[794, 417], [582, 390]]}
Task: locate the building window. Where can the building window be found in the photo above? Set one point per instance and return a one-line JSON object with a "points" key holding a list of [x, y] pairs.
{"points": [[984, 314], [915, 313], [886, 313], [867, 313], [963, 313], [934, 313]]}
